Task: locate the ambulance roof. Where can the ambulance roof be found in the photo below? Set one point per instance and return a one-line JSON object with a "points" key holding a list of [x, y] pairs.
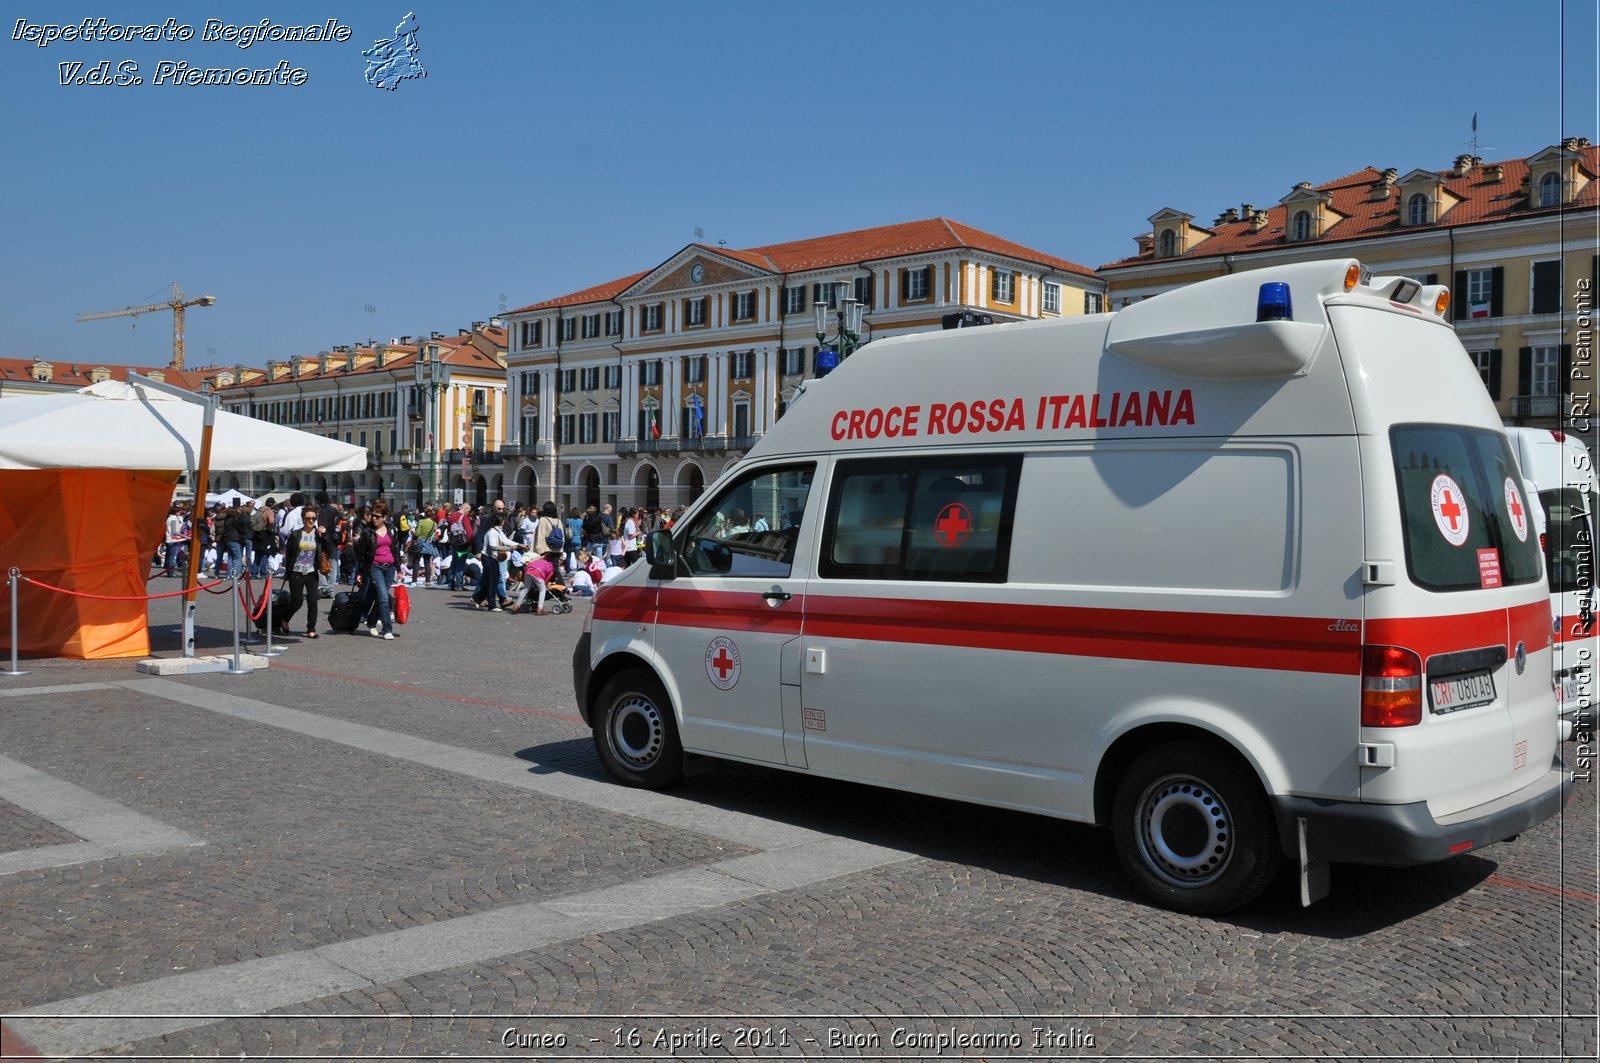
{"points": [[1191, 362]]}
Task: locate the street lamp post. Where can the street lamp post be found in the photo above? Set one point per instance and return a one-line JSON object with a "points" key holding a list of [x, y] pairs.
{"points": [[431, 376], [848, 340]]}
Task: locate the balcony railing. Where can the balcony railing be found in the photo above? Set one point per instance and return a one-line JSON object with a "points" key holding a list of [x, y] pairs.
{"points": [[1537, 405], [538, 449], [664, 445]]}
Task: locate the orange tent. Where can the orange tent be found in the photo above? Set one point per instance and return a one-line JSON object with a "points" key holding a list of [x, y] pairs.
{"points": [[85, 481]]}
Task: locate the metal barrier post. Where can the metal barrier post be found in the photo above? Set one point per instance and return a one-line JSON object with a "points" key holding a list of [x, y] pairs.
{"points": [[235, 668], [14, 578]]}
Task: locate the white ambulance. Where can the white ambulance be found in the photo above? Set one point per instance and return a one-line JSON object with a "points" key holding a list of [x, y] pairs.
{"points": [[1562, 471], [1243, 572]]}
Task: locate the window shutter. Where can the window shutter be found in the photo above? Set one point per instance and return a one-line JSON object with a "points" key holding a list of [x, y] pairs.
{"points": [[1546, 287], [905, 285], [1563, 384], [1433, 278], [1525, 371], [1459, 310], [1497, 282], [1496, 357]]}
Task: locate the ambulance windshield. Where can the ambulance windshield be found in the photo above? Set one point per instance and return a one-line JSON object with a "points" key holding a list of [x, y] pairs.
{"points": [[1462, 502]]}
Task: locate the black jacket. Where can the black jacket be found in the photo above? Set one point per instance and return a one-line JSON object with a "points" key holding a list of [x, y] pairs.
{"points": [[364, 542]]}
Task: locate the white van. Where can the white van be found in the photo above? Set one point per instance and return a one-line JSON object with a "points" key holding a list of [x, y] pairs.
{"points": [[1243, 572], [1561, 469]]}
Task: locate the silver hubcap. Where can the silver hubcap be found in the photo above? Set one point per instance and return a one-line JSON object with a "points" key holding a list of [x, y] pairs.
{"points": [[637, 731], [1185, 832]]}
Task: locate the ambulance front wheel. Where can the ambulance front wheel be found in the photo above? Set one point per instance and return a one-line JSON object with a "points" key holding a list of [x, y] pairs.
{"points": [[635, 733], [1193, 830]]}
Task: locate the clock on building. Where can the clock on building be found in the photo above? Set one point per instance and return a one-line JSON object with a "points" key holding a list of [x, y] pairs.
{"points": [[697, 273]]}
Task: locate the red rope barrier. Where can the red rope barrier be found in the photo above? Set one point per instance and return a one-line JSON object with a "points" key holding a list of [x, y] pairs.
{"points": [[246, 591], [120, 597]]}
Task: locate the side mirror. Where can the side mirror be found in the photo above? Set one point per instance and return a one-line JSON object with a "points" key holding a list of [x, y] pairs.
{"points": [[663, 559]]}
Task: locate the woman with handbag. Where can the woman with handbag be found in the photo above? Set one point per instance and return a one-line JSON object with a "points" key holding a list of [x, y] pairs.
{"points": [[304, 558], [497, 547]]}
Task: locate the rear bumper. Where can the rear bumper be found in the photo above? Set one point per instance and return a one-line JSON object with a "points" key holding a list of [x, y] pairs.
{"points": [[1400, 835]]}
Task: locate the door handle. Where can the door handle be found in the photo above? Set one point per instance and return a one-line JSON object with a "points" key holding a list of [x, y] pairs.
{"points": [[773, 597]]}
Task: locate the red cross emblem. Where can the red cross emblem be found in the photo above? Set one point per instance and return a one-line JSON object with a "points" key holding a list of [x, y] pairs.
{"points": [[954, 525], [722, 663], [1449, 514], [1519, 515]]}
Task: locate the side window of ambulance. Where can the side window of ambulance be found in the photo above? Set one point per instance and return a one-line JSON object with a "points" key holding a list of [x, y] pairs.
{"points": [[752, 527], [943, 518], [1463, 507]]}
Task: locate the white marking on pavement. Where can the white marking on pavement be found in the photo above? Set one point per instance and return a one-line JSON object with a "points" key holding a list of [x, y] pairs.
{"points": [[794, 857], [107, 828]]}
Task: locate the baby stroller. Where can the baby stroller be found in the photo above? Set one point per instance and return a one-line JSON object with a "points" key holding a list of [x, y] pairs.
{"points": [[541, 573]]}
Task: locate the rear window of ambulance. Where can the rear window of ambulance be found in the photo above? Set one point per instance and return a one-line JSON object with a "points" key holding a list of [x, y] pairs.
{"points": [[1464, 509]]}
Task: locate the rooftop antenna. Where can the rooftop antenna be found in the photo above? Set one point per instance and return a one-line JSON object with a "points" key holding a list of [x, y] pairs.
{"points": [[372, 316], [503, 303], [1473, 147], [699, 234]]}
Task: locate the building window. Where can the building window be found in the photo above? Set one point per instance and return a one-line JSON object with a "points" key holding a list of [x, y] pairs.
{"points": [[1417, 210], [794, 299], [1546, 371], [591, 326], [1094, 303], [613, 377], [694, 369], [1001, 286], [533, 334], [614, 323], [569, 329], [610, 426], [744, 306], [829, 295], [1169, 243], [1302, 226], [694, 312], [650, 318], [864, 290], [741, 420], [1483, 361], [650, 373], [741, 365], [530, 383], [794, 361], [1480, 291], [1052, 298], [1550, 190], [916, 285], [588, 428], [589, 378], [569, 381], [567, 429]]}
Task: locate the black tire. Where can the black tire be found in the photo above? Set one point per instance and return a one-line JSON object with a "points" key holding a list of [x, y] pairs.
{"points": [[1193, 829], [635, 732]]}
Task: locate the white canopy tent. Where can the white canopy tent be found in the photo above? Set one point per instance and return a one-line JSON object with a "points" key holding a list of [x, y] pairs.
{"points": [[231, 497], [85, 481], [113, 425]]}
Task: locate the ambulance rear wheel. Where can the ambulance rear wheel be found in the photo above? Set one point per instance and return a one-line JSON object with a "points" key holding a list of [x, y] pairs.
{"points": [[635, 733], [1193, 830]]}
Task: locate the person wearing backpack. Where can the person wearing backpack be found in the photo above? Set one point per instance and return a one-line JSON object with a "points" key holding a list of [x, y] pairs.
{"points": [[550, 536], [460, 545]]}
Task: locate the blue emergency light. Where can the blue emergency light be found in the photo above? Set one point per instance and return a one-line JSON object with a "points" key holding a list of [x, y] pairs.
{"points": [[1274, 304], [827, 361]]}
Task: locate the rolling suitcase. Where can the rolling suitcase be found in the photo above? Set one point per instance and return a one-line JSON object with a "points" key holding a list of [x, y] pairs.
{"points": [[345, 613]]}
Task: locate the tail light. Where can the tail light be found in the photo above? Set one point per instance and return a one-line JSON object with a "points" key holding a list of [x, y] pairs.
{"points": [[1391, 687]]}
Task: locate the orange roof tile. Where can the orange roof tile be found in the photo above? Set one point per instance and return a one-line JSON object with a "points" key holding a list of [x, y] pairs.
{"points": [[1481, 201], [842, 249], [66, 372]]}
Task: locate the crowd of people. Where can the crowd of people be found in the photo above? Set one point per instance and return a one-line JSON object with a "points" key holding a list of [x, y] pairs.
{"points": [[512, 558]]}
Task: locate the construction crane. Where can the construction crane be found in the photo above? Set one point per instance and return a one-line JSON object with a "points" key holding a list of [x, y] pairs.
{"points": [[177, 305]]}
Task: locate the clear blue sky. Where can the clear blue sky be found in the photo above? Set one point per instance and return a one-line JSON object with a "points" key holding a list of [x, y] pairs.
{"points": [[554, 146]]}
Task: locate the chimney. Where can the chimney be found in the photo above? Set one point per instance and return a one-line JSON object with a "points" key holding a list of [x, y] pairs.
{"points": [[1380, 191], [436, 336], [1464, 163], [1146, 242], [1227, 216], [1494, 173], [1575, 143], [1258, 219]]}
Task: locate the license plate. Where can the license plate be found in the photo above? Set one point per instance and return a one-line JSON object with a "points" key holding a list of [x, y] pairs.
{"points": [[1464, 691], [1567, 695]]}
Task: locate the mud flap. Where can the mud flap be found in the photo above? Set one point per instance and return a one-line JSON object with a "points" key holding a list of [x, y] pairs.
{"points": [[1313, 873]]}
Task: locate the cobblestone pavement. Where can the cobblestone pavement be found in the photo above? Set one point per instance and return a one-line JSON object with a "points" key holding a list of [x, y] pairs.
{"points": [[408, 850]]}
